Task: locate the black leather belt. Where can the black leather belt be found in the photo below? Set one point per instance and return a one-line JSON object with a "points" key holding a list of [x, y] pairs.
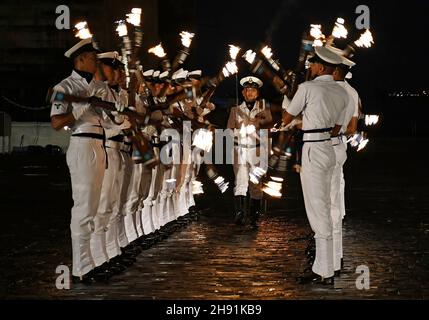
{"points": [[317, 130], [246, 145], [89, 135], [117, 138]]}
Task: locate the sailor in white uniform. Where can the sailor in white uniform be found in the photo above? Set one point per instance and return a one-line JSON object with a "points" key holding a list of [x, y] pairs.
{"points": [[339, 143], [85, 155], [323, 104]]}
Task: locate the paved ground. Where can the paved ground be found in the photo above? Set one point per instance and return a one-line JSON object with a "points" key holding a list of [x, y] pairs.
{"points": [[386, 228]]}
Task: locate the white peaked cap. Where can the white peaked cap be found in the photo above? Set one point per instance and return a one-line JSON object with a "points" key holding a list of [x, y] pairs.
{"points": [[251, 80], [80, 47], [164, 75], [340, 52], [197, 73], [180, 74], [108, 55], [328, 56], [148, 73]]}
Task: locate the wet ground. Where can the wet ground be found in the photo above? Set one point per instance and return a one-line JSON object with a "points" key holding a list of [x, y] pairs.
{"points": [[386, 229]]}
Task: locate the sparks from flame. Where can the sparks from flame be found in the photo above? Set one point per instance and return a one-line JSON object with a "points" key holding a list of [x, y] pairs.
{"points": [[122, 29], [317, 43], [186, 38], [230, 69], [339, 31], [134, 17], [365, 40], [267, 52], [233, 51], [82, 31], [158, 51], [249, 56]]}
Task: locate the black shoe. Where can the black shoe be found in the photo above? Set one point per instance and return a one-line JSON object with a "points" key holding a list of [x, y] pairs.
{"points": [[255, 209], [116, 264], [314, 278], [337, 273], [239, 218], [102, 273], [85, 279]]}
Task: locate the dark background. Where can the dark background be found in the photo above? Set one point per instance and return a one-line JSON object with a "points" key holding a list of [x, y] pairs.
{"points": [[31, 50]]}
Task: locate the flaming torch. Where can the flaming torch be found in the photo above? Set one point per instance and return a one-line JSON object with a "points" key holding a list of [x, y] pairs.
{"points": [[216, 178], [82, 31], [316, 33], [186, 38], [257, 67], [125, 48], [365, 41], [160, 53], [339, 31]]}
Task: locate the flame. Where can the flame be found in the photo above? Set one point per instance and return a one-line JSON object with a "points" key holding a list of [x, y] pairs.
{"points": [[339, 31], [134, 17], [158, 51], [362, 144], [203, 140], [230, 69], [371, 120], [316, 31], [122, 28], [197, 187], [365, 40], [233, 51], [186, 38], [222, 185], [317, 43], [250, 56], [277, 179], [256, 174], [266, 51], [82, 30]]}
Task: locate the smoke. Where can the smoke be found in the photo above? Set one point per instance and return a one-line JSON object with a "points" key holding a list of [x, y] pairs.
{"points": [[286, 8]]}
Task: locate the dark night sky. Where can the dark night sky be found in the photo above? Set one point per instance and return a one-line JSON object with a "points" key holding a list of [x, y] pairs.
{"points": [[394, 62]]}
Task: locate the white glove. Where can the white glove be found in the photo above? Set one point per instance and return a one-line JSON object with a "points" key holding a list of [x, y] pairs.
{"points": [[79, 111], [120, 106], [125, 125]]}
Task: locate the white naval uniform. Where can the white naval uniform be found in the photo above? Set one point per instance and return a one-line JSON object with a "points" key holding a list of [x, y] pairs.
{"points": [[337, 183], [86, 161], [247, 153], [323, 104], [137, 190]]}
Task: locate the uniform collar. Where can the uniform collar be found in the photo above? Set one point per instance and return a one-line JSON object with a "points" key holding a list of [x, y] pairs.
{"points": [[325, 77], [82, 75]]}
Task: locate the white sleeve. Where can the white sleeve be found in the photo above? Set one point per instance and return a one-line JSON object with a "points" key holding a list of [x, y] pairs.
{"points": [[341, 117], [286, 102], [60, 107], [298, 102]]}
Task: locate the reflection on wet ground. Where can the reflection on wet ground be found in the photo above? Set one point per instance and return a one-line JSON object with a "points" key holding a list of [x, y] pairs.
{"points": [[386, 228]]}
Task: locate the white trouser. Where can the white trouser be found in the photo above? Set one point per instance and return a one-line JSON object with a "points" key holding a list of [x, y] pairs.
{"points": [[149, 214], [166, 205], [245, 159], [112, 240], [128, 172], [337, 203], [318, 161], [108, 201], [86, 160], [132, 203]]}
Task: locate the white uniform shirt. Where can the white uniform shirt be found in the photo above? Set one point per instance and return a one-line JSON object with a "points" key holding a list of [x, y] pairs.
{"points": [[243, 114], [76, 85], [352, 107], [322, 103]]}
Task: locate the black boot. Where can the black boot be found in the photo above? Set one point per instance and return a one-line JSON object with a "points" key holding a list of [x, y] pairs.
{"points": [[239, 209], [255, 212]]}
